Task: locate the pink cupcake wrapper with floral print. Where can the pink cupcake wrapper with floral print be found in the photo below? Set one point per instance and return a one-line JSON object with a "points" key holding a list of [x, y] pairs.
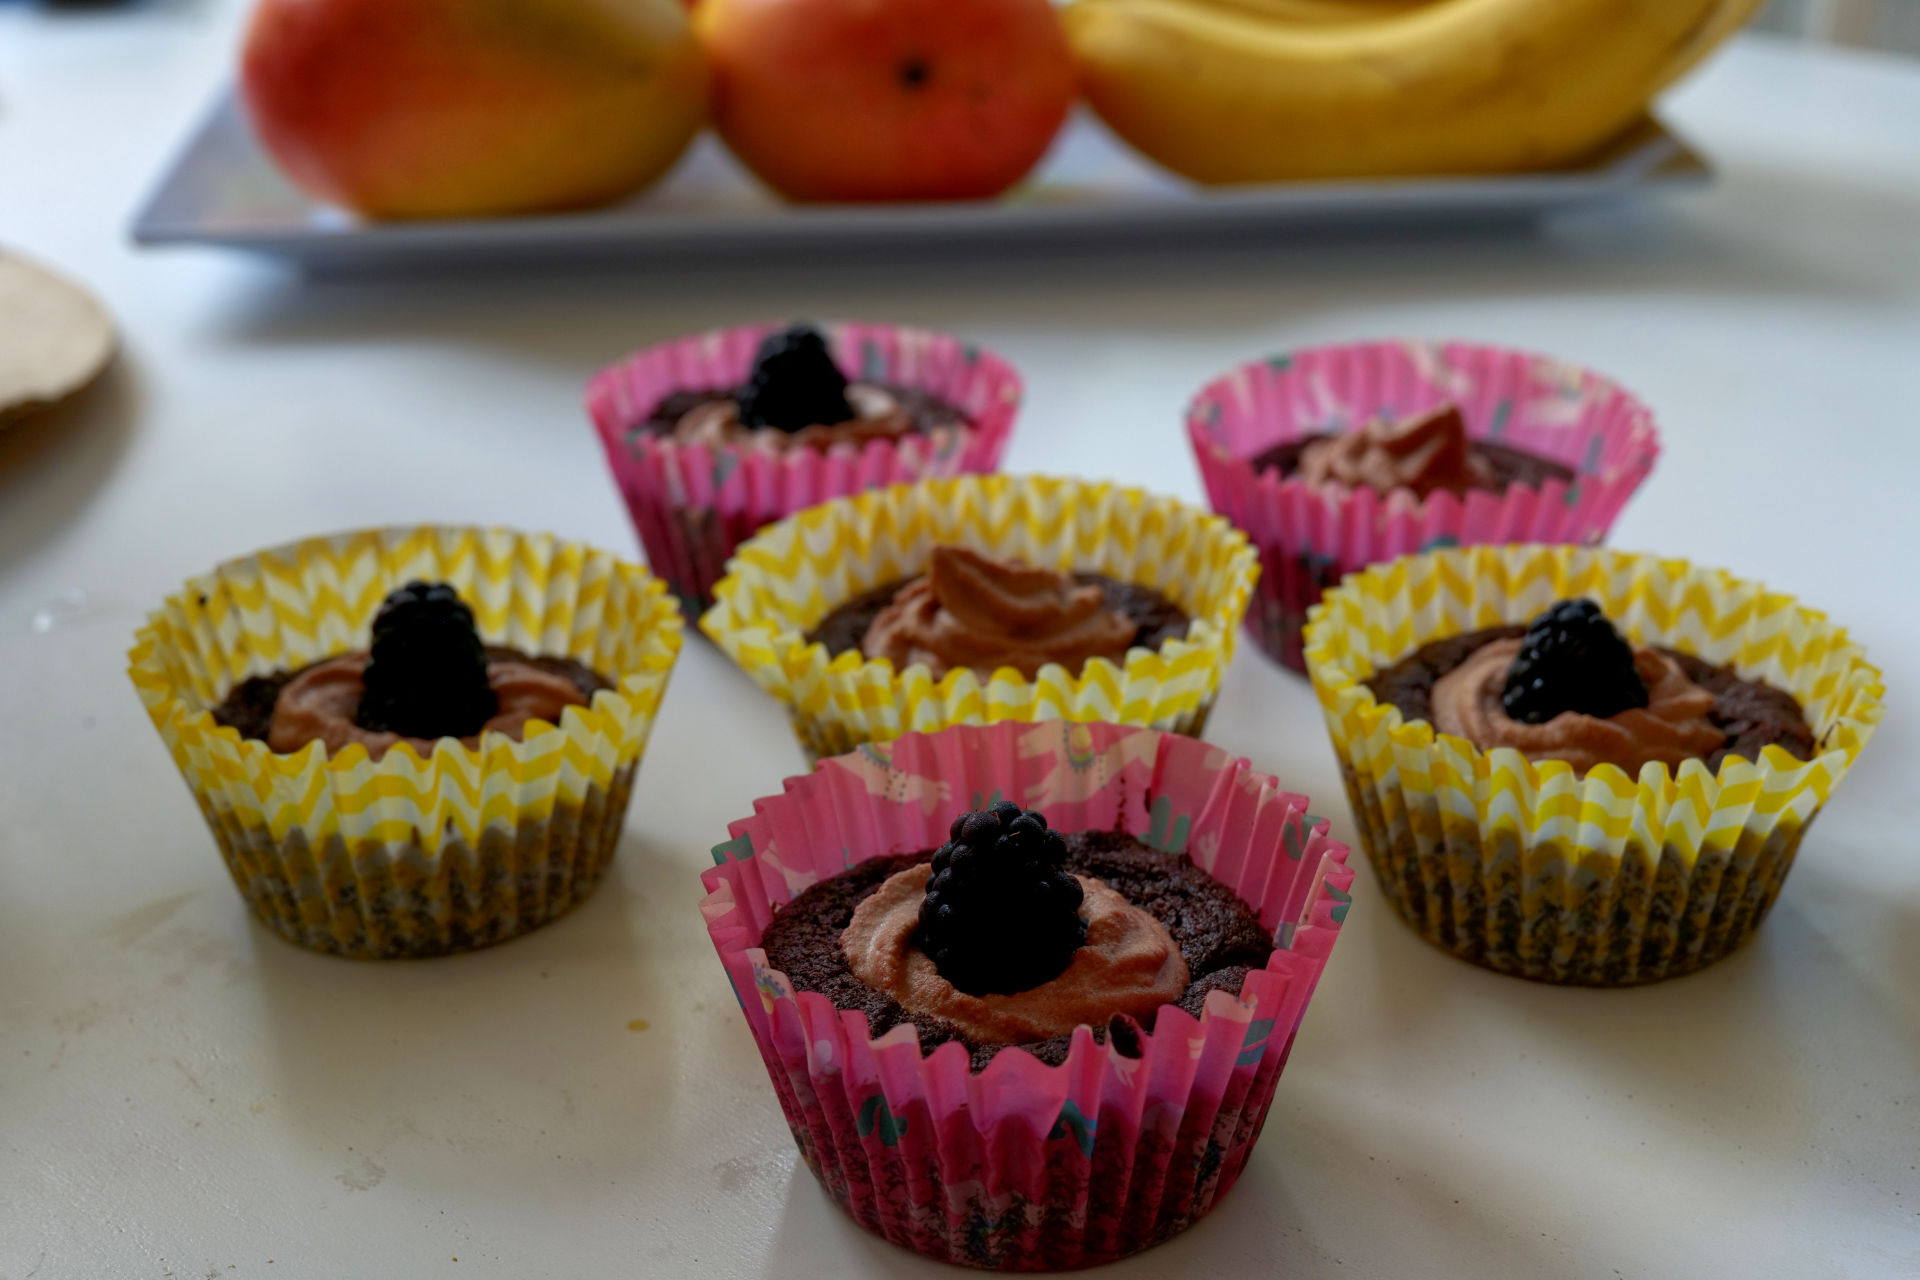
{"points": [[693, 504], [1310, 536], [1026, 1166]]}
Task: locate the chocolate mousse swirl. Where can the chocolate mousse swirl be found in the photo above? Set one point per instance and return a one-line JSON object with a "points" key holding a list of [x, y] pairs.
{"points": [[1672, 727], [973, 611], [319, 704], [1426, 454], [1128, 966]]}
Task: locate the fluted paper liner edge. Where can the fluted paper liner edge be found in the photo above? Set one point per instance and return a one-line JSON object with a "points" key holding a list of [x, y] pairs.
{"points": [[787, 578], [692, 504], [1531, 869], [1309, 536], [410, 856], [1026, 1166]]}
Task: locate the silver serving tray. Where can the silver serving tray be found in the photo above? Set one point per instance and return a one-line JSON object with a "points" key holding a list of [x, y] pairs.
{"points": [[222, 190]]}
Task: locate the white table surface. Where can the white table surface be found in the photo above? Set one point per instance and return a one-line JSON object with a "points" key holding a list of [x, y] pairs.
{"points": [[182, 1094]]}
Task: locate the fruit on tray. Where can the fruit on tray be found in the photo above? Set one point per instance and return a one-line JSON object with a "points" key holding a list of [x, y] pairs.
{"points": [[1267, 90], [848, 100], [448, 108]]}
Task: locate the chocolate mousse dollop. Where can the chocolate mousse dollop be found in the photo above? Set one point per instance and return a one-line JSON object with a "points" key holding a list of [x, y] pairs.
{"points": [[997, 939], [320, 703], [1673, 726], [427, 676], [971, 610], [877, 415], [1128, 965], [1427, 454], [796, 397]]}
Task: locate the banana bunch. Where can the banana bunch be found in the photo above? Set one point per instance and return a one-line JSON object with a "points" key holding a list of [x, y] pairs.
{"points": [[1267, 90]]}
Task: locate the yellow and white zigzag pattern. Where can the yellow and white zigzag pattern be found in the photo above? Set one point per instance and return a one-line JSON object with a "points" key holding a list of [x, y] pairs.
{"points": [[298, 604], [1409, 775], [791, 574]]}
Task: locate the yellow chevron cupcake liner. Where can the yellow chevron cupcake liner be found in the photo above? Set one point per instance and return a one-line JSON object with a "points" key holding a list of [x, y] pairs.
{"points": [[404, 856], [792, 574], [1530, 869]]}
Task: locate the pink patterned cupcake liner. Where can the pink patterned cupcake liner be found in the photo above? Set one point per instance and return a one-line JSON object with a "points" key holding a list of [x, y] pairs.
{"points": [[1026, 1166], [1310, 536], [693, 504]]}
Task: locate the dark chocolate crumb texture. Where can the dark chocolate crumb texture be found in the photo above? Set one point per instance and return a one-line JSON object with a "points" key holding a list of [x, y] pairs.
{"points": [[1751, 713], [426, 674], [1510, 466], [794, 384], [1218, 935], [249, 705], [1159, 618], [927, 411]]}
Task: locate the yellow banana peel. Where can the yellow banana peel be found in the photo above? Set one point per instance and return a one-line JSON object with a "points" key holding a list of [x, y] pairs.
{"points": [[1268, 90]]}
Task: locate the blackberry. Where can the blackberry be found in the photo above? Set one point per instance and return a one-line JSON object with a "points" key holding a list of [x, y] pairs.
{"points": [[1572, 659], [1000, 914], [794, 383], [427, 677]]}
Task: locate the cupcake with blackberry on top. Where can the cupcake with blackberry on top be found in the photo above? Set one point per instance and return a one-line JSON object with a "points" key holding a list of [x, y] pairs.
{"points": [[424, 675], [1334, 458], [986, 598], [1581, 766], [1025, 990], [411, 742], [713, 436]]}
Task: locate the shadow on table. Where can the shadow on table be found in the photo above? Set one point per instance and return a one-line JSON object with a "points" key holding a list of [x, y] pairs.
{"points": [[578, 316], [55, 462], [1267, 1225], [521, 1061], [814, 1236], [1904, 930], [1703, 1051]]}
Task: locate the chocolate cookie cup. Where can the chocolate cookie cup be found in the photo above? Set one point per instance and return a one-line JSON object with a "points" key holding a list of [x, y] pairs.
{"points": [[785, 581], [1532, 867], [1017, 1163], [694, 500], [396, 853], [1561, 449]]}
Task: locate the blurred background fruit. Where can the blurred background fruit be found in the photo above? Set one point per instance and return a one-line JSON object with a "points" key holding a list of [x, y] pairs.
{"points": [[1267, 90], [447, 108], [887, 99]]}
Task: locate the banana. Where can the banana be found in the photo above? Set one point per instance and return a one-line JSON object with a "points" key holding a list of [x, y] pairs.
{"points": [[1320, 12], [1253, 91]]}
